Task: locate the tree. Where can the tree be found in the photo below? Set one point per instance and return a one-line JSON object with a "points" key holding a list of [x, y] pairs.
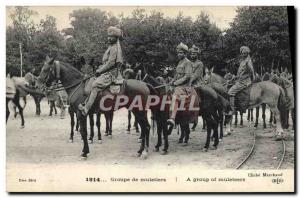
{"points": [[265, 31]]}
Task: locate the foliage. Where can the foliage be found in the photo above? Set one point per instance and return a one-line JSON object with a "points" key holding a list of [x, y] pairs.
{"points": [[149, 39]]}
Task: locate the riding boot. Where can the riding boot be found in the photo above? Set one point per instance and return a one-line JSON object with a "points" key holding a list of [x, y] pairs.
{"points": [[85, 109], [232, 105], [173, 111]]}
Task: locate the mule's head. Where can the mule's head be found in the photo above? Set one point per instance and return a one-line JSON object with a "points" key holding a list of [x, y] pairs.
{"points": [[47, 75]]}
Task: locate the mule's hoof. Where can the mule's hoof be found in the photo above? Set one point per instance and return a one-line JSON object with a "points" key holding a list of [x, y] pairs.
{"points": [[185, 144], [83, 156], [204, 150], [71, 141], [213, 148], [144, 155], [164, 152], [278, 137], [127, 132], [99, 141], [138, 155], [90, 141], [22, 127], [220, 140], [156, 149], [180, 141], [139, 140], [106, 134]]}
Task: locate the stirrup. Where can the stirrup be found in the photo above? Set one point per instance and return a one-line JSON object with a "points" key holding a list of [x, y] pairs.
{"points": [[171, 121], [81, 108]]}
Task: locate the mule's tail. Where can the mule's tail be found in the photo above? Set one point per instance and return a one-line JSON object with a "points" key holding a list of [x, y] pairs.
{"points": [[282, 108]]}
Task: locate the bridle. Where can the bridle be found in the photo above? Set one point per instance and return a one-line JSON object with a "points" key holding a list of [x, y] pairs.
{"points": [[55, 71]]}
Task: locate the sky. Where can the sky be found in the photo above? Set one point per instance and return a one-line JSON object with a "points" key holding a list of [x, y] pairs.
{"points": [[222, 16]]}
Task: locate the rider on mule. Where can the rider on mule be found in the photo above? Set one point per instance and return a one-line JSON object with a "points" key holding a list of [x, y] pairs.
{"points": [[181, 80], [245, 75], [109, 71], [198, 67]]}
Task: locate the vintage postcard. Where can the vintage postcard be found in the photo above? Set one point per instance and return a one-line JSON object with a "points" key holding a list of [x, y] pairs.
{"points": [[150, 99]]}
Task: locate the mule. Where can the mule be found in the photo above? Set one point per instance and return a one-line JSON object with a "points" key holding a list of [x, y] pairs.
{"points": [[73, 81]]}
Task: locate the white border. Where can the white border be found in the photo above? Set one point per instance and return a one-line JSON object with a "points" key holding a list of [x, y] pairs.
{"points": [[104, 2]]}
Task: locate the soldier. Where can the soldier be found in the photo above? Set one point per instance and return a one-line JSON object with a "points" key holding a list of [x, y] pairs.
{"points": [[245, 75], [197, 72], [181, 80], [108, 72]]}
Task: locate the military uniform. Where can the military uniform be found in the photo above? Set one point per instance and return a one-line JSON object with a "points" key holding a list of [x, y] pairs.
{"points": [[197, 73], [244, 76], [109, 71], [181, 81], [197, 69]]}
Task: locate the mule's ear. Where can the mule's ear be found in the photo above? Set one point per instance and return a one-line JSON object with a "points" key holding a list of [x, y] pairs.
{"points": [[212, 69], [51, 61], [47, 58], [82, 60], [92, 61]]}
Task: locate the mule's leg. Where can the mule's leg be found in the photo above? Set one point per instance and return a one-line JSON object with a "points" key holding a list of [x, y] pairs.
{"points": [[204, 124], [287, 115], [159, 131], [241, 117], [248, 116], [165, 133], [98, 124], [208, 122], [236, 118], [35, 98], [72, 126], [129, 122], [51, 108], [138, 117], [256, 116], [111, 117], [17, 103], [55, 110], [195, 125], [271, 117], [279, 129], [187, 133], [221, 120], [77, 124], [83, 130], [251, 112], [7, 109], [136, 126], [147, 135], [215, 135], [263, 108], [182, 134], [91, 118]]}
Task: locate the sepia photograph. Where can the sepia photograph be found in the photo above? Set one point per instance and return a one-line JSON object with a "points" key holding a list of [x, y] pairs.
{"points": [[150, 99]]}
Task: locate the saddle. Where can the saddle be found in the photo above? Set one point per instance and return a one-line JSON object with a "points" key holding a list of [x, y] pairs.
{"points": [[117, 87], [191, 115], [242, 99]]}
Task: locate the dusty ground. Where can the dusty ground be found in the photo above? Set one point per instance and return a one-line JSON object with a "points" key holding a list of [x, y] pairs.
{"points": [[44, 140]]}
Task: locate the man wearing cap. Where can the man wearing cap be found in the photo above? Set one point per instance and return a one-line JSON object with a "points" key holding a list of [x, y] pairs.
{"points": [[245, 75], [109, 71], [181, 80], [197, 72]]}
